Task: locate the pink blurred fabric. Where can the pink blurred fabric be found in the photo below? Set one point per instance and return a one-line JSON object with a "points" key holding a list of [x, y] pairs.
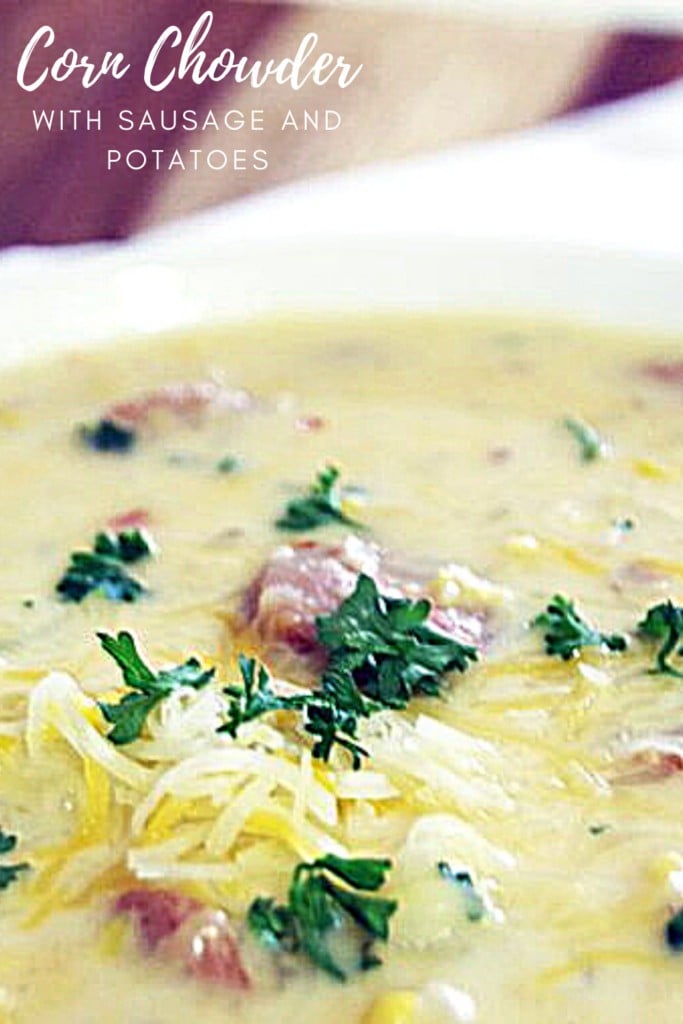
{"points": [[53, 186]]}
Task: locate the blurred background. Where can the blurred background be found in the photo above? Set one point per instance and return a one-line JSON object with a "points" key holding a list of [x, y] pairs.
{"points": [[433, 78]]}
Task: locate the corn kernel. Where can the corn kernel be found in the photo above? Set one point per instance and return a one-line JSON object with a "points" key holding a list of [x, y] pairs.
{"points": [[650, 470], [397, 1007]]}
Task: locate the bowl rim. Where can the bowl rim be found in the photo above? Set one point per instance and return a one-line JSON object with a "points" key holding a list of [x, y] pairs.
{"points": [[90, 294]]}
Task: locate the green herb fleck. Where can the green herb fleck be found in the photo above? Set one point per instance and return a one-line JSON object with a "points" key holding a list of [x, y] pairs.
{"points": [[381, 654], [253, 699], [332, 723], [9, 872], [320, 506], [591, 444], [102, 569], [149, 688], [383, 649], [567, 633], [108, 436], [475, 907], [318, 907], [129, 546], [598, 830], [323, 716], [664, 622], [673, 932], [230, 464]]}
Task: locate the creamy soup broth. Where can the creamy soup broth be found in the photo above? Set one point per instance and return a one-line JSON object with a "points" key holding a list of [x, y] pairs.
{"points": [[563, 776]]}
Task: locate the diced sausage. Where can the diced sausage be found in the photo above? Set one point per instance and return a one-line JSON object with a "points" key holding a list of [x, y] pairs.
{"points": [[136, 518], [298, 583], [650, 759], [157, 913], [309, 424], [187, 401], [464, 626], [303, 581], [665, 371], [208, 948], [184, 931]]}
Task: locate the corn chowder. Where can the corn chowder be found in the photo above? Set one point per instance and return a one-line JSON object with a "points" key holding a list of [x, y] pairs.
{"points": [[341, 677]]}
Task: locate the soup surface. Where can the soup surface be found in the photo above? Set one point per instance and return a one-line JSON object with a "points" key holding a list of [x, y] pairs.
{"points": [[464, 711]]}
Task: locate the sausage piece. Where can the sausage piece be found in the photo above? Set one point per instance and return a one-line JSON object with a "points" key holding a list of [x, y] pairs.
{"points": [[302, 581], [187, 933]]}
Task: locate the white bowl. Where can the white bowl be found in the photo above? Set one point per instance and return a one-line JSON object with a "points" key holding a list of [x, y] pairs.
{"points": [[88, 295]]}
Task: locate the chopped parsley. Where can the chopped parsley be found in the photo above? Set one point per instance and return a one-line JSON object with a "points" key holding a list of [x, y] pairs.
{"points": [[323, 716], [317, 908], [475, 907], [229, 464], [129, 546], [664, 622], [108, 436], [381, 654], [383, 649], [567, 633], [103, 568], [253, 699], [673, 932], [148, 688], [591, 444], [331, 721], [320, 506], [9, 872]]}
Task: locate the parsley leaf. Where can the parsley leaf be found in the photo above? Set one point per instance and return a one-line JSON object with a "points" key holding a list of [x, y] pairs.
{"points": [[383, 649], [7, 842], [323, 717], [359, 872], [253, 699], [318, 907], [273, 925], [566, 632], [229, 464], [381, 654], [475, 907], [102, 569], [673, 932], [108, 436], [129, 546], [591, 444], [149, 688], [320, 505], [330, 724], [664, 622], [9, 872]]}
